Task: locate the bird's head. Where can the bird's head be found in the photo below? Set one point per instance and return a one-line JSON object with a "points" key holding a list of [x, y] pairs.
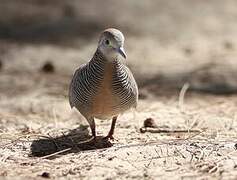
{"points": [[111, 44]]}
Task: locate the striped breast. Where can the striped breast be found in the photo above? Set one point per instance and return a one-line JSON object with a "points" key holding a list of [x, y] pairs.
{"points": [[124, 87], [104, 101], [85, 83], [117, 92], [103, 89]]}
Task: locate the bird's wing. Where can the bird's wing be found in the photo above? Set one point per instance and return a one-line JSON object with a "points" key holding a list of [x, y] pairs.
{"points": [[133, 83], [73, 84]]}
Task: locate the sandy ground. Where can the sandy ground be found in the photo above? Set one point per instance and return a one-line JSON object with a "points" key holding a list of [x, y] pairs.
{"points": [[183, 56], [36, 122]]}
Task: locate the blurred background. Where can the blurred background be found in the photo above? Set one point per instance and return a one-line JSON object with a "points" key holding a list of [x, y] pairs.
{"points": [[169, 43]]}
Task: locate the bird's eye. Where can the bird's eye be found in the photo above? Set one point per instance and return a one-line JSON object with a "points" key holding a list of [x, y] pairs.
{"points": [[107, 42]]}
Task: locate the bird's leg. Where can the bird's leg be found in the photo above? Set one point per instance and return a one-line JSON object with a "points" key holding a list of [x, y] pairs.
{"points": [[91, 122], [111, 131]]}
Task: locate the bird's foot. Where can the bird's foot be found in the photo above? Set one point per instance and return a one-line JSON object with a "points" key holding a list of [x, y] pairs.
{"points": [[93, 138], [109, 137]]}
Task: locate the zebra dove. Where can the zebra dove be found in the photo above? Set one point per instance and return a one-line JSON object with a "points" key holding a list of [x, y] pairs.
{"points": [[104, 87]]}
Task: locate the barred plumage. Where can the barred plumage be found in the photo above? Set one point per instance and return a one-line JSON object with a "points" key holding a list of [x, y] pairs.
{"points": [[104, 87], [84, 83], [124, 86]]}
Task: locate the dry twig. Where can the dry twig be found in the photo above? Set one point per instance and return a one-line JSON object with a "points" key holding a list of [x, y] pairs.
{"points": [[56, 153], [157, 130]]}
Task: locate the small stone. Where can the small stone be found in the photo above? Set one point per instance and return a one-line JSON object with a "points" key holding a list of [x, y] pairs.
{"points": [[45, 175], [110, 158], [150, 122], [235, 146], [48, 67]]}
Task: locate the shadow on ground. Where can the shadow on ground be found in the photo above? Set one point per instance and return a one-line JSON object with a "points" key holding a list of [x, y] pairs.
{"points": [[75, 141]]}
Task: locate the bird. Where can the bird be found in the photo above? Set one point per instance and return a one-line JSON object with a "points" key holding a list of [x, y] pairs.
{"points": [[104, 87]]}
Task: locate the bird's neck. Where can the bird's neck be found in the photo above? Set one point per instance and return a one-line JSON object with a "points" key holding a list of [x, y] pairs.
{"points": [[100, 58], [105, 68]]}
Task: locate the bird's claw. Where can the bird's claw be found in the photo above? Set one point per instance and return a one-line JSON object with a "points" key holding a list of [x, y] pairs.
{"points": [[109, 137]]}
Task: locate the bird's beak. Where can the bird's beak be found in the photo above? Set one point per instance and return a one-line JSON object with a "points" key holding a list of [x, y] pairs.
{"points": [[122, 52]]}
